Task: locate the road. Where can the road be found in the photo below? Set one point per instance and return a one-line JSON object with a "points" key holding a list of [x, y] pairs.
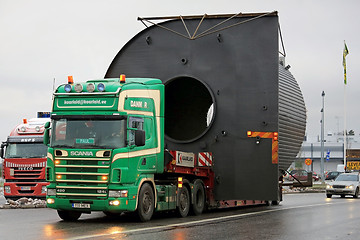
{"points": [[299, 216]]}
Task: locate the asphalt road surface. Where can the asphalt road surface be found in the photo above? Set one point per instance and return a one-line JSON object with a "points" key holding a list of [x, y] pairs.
{"points": [[299, 216]]}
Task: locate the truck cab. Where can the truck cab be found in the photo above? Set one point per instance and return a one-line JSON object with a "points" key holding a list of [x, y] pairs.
{"points": [[105, 142], [24, 157]]}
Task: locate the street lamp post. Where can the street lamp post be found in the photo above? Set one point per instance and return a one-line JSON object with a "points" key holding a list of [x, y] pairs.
{"points": [[322, 138]]}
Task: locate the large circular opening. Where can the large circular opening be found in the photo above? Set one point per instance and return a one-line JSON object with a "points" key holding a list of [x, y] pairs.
{"points": [[189, 109]]}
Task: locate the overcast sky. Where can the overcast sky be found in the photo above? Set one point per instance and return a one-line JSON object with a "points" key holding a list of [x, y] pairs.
{"points": [[45, 39]]}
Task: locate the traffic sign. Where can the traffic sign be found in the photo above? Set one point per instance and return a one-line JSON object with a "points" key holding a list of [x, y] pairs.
{"points": [[328, 155], [308, 161]]}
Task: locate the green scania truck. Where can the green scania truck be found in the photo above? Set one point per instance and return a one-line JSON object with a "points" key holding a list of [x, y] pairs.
{"points": [[207, 117], [107, 152]]}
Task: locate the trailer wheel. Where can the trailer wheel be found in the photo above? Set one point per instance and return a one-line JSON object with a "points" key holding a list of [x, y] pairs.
{"points": [[198, 205], [145, 208], [69, 216], [184, 202], [328, 195]]}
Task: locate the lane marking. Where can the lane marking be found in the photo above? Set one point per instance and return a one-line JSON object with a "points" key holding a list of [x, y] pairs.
{"points": [[198, 222]]}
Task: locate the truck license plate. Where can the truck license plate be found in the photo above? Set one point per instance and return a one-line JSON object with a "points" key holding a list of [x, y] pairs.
{"points": [[81, 205], [26, 188]]}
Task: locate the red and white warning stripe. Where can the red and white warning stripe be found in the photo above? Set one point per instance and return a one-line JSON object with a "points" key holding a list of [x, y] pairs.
{"points": [[205, 159]]}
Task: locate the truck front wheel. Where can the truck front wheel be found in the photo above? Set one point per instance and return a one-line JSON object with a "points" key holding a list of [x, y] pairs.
{"points": [[69, 216], [145, 208], [184, 202]]}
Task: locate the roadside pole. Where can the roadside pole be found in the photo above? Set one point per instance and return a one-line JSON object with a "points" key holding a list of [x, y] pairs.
{"points": [[322, 139]]}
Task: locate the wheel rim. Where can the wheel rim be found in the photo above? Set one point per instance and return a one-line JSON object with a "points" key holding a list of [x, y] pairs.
{"points": [[146, 202], [183, 201]]}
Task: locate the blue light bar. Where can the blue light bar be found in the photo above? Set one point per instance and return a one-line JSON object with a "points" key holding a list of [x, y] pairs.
{"points": [[101, 87], [43, 114], [67, 88]]}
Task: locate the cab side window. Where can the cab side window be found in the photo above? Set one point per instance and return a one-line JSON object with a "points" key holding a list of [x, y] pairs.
{"points": [[134, 123]]}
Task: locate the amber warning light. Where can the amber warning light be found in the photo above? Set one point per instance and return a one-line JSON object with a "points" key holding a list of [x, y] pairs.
{"points": [[180, 182], [70, 80], [122, 78], [276, 136]]}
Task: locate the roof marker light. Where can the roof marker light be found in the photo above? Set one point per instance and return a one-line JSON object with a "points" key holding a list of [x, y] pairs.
{"points": [[90, 87], [78, 87], [101, 87], [67, 88], [25, 121], [122, 78]]}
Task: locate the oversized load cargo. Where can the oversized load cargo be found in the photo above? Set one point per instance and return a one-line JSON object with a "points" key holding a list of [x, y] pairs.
{"points": [[230, 64]]}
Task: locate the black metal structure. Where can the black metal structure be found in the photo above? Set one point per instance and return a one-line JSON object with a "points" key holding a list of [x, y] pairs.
{"points": [[221, 76]]}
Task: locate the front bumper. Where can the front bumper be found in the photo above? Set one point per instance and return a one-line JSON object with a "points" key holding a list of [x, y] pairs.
{"points": [[25, 189], [89, 205], [341, 191]]}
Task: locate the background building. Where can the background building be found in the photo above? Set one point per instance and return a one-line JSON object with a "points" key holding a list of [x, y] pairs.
{"points": [[333, 151]]}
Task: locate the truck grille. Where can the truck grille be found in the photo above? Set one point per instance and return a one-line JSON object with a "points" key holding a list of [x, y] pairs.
{"points": [[84, 178], [28, 174], [25, 172]]}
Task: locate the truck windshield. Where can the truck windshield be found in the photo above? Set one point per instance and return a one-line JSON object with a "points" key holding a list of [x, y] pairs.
{"points": [[88, 133], [26, 150]]}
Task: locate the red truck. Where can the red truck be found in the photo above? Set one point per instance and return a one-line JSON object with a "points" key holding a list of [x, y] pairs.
{"points": [[24, 157]]}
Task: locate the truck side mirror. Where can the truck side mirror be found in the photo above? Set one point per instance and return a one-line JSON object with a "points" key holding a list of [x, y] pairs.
{"points": [[46, 138], [139, 138], [2, 151]]}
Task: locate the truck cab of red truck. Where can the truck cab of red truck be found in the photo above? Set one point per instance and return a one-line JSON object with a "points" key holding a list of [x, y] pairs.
{"points": [[24, 157]]}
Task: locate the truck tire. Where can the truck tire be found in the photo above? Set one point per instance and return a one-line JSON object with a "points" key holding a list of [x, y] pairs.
{"points": [[69, 216], [145, 208], [184, 202], [328, 195], [356, 195], [198, 205]]}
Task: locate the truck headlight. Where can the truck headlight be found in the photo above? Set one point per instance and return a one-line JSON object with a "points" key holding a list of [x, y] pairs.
{"points": [[7, 189], [118, 193], [51, 192]]}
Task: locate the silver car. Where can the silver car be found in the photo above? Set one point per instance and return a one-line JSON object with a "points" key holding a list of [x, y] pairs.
{"points": [[344, 184]]}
